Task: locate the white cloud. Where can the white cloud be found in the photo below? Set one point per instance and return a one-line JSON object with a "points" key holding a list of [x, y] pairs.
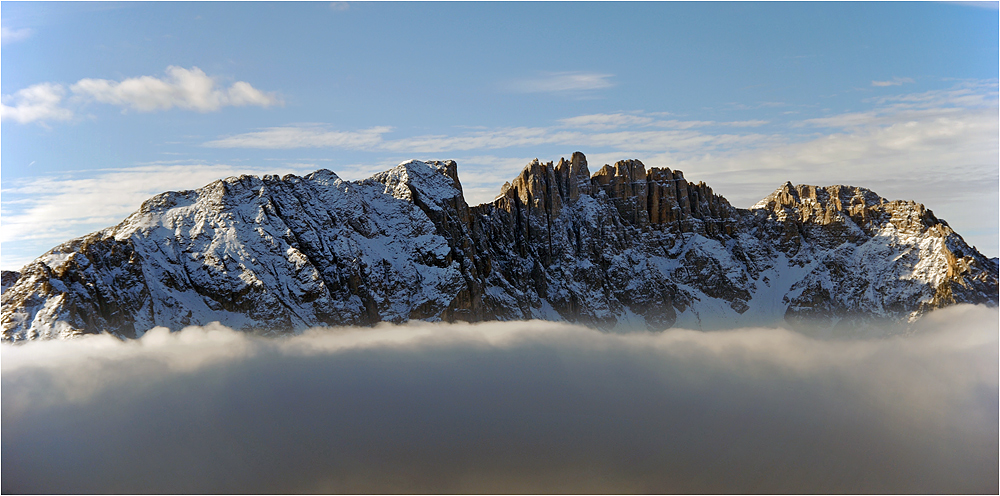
{"points": [[896, 81], [310, 136], [606, 121], [750, 123], [654, 140], [36, 103], [184, 88], [563, 82], [963, 94], [759, 105], [480, 140], [189, 89], [679, 124], [8, 35], [506, 407], [513, 137]]}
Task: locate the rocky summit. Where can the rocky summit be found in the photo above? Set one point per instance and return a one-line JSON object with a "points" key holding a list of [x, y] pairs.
{"points": [[624, 248]]}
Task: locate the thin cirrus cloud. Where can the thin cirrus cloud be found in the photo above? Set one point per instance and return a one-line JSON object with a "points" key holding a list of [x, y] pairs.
{"points": [[189, 89], [562, 82], [606, 121], [601, 122], [620, 130], [303, 137], [512, 137], [896, 81]]}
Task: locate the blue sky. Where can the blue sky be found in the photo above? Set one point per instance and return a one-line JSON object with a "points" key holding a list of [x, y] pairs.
{"points": [[105, 105]]}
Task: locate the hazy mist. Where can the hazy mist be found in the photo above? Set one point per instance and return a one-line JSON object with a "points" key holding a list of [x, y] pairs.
{"points": [[506, 407]]}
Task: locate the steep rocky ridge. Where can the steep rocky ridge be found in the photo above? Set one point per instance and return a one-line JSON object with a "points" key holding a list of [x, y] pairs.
{"points": [[623, 248], [860, 246]]}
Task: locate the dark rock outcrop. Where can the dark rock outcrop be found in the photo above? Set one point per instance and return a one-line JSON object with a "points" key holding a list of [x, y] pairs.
{"points": [[8, 278]]}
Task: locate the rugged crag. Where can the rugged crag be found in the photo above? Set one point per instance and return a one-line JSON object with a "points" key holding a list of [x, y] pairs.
{"points": [[623, 248]]}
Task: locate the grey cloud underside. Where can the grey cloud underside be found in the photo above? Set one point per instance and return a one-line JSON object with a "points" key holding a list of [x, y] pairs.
{"points": [[535, 407], [623, 248]]}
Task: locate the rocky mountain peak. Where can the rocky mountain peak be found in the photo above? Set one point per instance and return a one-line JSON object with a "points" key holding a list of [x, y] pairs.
{"points": [[808, 200], [574, 177], [850, 207], [627, 247]]}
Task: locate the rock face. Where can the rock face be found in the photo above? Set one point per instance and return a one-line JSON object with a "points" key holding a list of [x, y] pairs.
{"points": [[625, 248]]}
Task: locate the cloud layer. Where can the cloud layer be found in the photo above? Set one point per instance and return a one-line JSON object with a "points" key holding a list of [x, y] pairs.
{"points": [[506, 407], [189, 89]]}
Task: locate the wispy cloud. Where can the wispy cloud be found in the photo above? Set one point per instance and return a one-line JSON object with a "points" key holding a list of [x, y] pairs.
{"points": [[896, 81], [606, 121], [310, 136], [965, 94], [624, 131], [479, 140], [8, 35], [563, 82], [750, 123], [758, 105], [189, 89]]}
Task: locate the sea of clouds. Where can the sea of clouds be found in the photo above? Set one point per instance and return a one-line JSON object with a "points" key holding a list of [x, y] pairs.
{"points": [[506, 407]]}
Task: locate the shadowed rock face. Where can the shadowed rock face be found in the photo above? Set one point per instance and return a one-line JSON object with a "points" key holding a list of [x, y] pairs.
{"points": [[626, 248], [8, 278]]}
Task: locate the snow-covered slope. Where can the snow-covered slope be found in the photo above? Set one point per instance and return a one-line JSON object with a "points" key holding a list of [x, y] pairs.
{"points": [[623, 249]]}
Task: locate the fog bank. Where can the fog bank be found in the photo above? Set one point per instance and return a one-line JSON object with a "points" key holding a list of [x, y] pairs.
{"points": [[506, 407]]}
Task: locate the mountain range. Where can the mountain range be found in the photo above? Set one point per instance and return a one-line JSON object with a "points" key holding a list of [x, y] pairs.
{"points": [[625, 248]]}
